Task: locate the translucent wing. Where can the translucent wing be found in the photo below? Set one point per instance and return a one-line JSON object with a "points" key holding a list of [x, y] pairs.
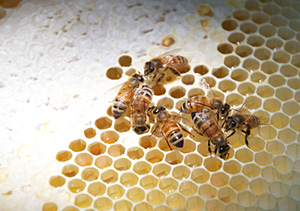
{"points": [[206, 87], [112, 92], [170, 52]]}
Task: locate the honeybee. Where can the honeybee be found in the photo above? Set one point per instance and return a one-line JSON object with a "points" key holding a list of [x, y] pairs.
{"points": [[139, 106], [169, 128], [205, 124], [197, 103], [159, 65], [125, 95]]}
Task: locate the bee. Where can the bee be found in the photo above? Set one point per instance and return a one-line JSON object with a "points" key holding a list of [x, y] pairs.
{"points": [[169, 128], [205, 124], [159, 65], [125, 95], [139, 106], [197, 103]]}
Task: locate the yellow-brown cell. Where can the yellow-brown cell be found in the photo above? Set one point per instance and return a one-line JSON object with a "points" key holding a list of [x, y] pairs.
{"points": [[129, 179]]}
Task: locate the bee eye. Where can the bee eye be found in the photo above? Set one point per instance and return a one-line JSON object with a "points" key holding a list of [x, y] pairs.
{"points": [[221, 150], [156, 111], [151, 68], [233, 123], [223, 110]]}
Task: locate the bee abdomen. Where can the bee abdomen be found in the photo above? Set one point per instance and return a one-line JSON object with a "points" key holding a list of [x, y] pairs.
{"points": [[176, 139], [118, 108], [173, 134]]}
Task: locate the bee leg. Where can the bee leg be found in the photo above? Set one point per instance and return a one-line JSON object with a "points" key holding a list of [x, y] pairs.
{"points": [[198, 131], [175, 71], [233, 132], [209, 149], [247, 133], [162, 75], [166, 140]]}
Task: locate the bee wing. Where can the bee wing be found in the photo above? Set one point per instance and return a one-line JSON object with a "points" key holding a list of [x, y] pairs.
{"points": [[205, 85], [212, 116], [112, 92], [243, 109], [170, 52]]}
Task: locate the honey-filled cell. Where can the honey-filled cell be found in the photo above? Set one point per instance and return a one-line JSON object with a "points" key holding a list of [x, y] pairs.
{"points": [[226, 194], [251, 170], [181, 172], [90, 174], [174, 157], [201, 69], [109, 137], [141, 168], [135, 153], [200, 175], [90, 132], [70, 170], [49, 206], [213, 164], [116, 150], [115, 191], [135, 194], [193, 160], [148, 182], [122, 205], [207, 191], [103, 123], [76, 185], [114, 73], [83, 200], [143, 206], [168, 185], [194, 203], [83, 159], [96, 148], [125, 60], [147, 141], [176, 201], [129, 179], [188, 79], [122, 125], [57, 181], [156, 197], [188, 188], [161, 170], [177, 92], [219, 179], [96, 189], [122, 164], [70, 208], [159, 89], [103, 203], [109, 176], [239, 183], [63, 155], [103, 162], [154, 156], [232, 167], [77, 145]]}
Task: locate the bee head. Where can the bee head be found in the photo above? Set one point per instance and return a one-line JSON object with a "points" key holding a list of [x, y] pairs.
{"points": [[138, 77], [230, 123], [222, 147], [149, 68], [225, 110], [157, 110], [141, 130], [223, 151]]}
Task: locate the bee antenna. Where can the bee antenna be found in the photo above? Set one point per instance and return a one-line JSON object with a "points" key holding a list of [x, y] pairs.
{"points": [[162, 101]]}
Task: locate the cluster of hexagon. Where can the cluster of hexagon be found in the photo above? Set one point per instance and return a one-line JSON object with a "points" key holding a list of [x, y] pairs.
{"points": [[261, 59]]}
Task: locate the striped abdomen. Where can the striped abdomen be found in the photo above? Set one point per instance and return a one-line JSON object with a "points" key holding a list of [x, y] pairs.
{"points": [[194, 104], [122, 100], [142, 99], [252, 121], [173, 134]]}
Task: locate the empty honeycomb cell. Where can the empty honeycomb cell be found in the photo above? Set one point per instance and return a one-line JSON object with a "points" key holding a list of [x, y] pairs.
{"points": [[283, 164], [239, 74], [148, 182], [188, 188], [290, 13], [194, 203], [288, 70], [246, 88], [90, 132], [177, 92], [214, 204], [70, 170], [239, 183], [229, 24], [269, 67], [252, 5], [109, 176], [116, 150], [236, 37], [287, 203], [63, 155], [83, 159], [292, 46], [226, 194], [109, 137], [246, 198], [243, 50], [227, 85], [295, 192], [241, 15], [206, 191], [220, 72], [189, 146], [262, 54], [175, 201], [267, 30], [201, 69], [129, 179], [195, 91], [276, 80], [293, 151], [294, 83], [258, 77], [122, 125], [211, 81], [83, 200], [115, 191], [263, 158], [200, 175], [267, 201], [232, 61], [267, 132], [255, 41], [159, 89], [252, 102], [96, 148], [237, 140], [224, 48], [89, 174], [122, 164], [161, 170], [77, 145], [154, 156], [248, 27], [188, 79], [70, 208], [256, 143], [156, 197], [295, 24], [278, 21], [265, 91], [259, 18], [270, 174], [219, 179], [57, 181], [278, 189], [181, 172], [294, 123], [103, 162], [232, 167], [114, 73], [50, 206], [168, 185], [274, 43], [251, 64], [271, 9], [122, 205], [234, 206], [76, 185], [103, 123], [244, 155], [286, 34], [272, 105], [143, 206], [135, 153], [213, 164], [103, 203], [193, 160], [96, 189], [296, 60], [279, 120], [141, 168], [125, 60], [234, 99], [251, 170], [284, 93]]}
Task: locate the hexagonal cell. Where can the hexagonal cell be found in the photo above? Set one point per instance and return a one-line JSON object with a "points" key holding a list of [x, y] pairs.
{"points": [[154, 156], [232, 61], [103, 162], [130, 71], [234, 206], [211, 81], [246, 198], [188, 79], [258, 77], [252, 102], [246, 88], [175, 201], [256, 143], [287, 135], [147, 141], [252, 5], [206, 191], [243, 50], [108, 111], [96, 189], [234, 99], [122, 125], [103, 123], [116, 150], [297, 96], [241, 15], [201, 69], [63, 155], [89, 174], [115, 191], [248, 27], [156, 197], [239, 74], [109, 176], [141, 168], [281, 56], [135, 153], [271, 9], [267, 132], [292, 46], [129, 179], [125, 60], [296, 60], [295, 192], [189, 146], [143, 206], [294, 83], [181, 172], [103, 203], [259, 186], [49, 206], [236, 37], [219, 179], [232, 167], [220, 72], [267, 201], [213, 164], [229, 24], [174, 157], [159, 89], [76, 185], [239, 183], [283, 164], [177, 92], [57, 181], [279, 120], [168, 185], [200, 175], [277, 80], [69, 170], [114, 73], [251, 170], [294, 24], [274, 43], [287, 202], [251, 64], [284, 93], [122, 205], [267, 30], [265, 91], [255, 41], [96, 148], [109, 136], [122, 164], [227, 85], [262, 53], [270, 174], [244, 155], [193, 160], [294, 123], [293, 151], [70, 208], [288, 70], [77, 145], [259, 18], [269, 67], [161, 170], [278, 189], [188, 188], [165, 102], [263, 158], [226, 194], [164, 146], [83, 200], [224, 48], [148, 182], [83, 159], [194, 203], [90, 132], [290, 13]]}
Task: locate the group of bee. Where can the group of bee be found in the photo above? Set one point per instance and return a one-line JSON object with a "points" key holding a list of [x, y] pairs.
{"points": [[209, 115]]}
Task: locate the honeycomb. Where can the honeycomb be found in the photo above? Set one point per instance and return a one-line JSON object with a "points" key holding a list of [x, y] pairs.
{"points": [[109, 167]]}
